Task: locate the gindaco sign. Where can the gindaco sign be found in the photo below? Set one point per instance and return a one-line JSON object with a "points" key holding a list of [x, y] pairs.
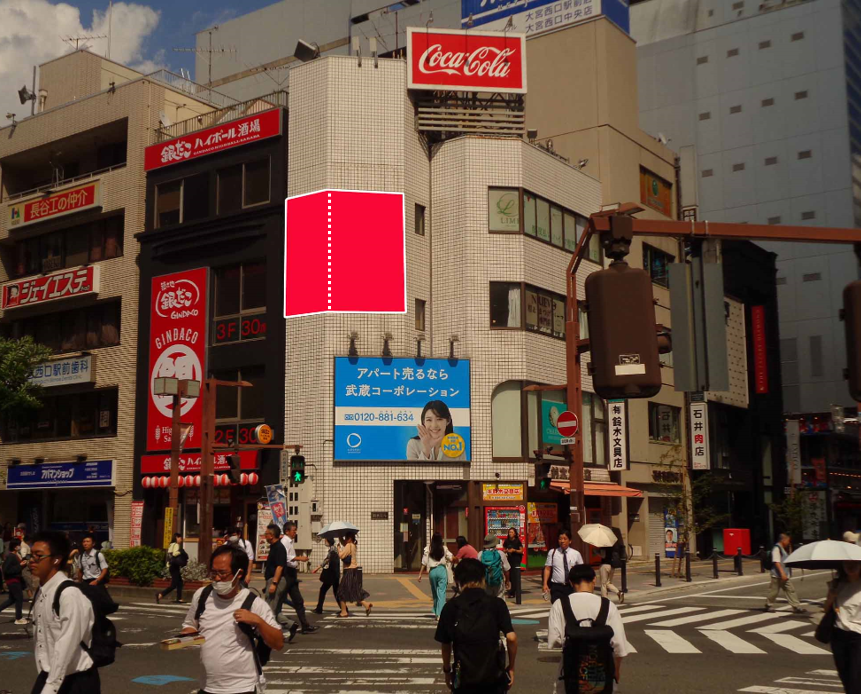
{"points": [[469, 61]]}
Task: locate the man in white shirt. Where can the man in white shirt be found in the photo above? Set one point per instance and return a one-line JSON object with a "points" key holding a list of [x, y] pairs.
{"points": [[559, 563], [94, 566], [63, 664], [291, 576], [781, 575], [586, 605], [217, 612]]}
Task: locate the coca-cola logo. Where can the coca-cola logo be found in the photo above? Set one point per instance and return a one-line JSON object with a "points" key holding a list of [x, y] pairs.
{"points": [[485, 61]]}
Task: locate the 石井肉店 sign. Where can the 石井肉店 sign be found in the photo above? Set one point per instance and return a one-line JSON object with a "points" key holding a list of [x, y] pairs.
{"points": [[55, 204], [491, 491], [92, 473], [402, 409]]}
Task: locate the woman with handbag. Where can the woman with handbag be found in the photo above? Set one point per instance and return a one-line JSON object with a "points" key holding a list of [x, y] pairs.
{"points": [[331, 575], [176, 559], [841, 625], [436, 560]]}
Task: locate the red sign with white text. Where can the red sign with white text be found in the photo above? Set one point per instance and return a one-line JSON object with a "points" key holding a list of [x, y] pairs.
{"points": [[61, 285], [190, 462], [216, 139], [760, 355], [55, 205], [177, 349], [467, 61]]}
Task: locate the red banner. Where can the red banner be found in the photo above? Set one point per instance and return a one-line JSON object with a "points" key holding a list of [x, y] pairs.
{"points": [[56, 204], [760, 355], [177, 349], [223, 136], [471, 61], [190, 462], [61, 285]]}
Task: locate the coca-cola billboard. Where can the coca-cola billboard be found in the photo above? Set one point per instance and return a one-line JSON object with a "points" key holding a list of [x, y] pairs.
{"points": [[466, 61], [177, 349]]}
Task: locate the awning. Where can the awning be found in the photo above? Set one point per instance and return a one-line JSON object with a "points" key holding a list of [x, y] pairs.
{"points": [[600, 489]]}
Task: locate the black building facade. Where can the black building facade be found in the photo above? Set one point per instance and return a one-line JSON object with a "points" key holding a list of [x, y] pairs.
{"points": [[223, 211]]}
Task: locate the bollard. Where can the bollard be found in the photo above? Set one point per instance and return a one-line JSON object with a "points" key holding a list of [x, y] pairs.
{"points": [[688, 566], [518, 588], [715, 564], [657, 569], [739, 559], [762, 556], [624, 576]]}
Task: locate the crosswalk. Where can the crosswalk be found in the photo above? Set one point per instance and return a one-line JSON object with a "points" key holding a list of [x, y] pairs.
{"points": [[812, 682], [697, 630]]}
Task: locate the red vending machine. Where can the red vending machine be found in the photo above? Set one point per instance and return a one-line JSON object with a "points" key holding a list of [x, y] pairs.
{"points": [[498, 519]]}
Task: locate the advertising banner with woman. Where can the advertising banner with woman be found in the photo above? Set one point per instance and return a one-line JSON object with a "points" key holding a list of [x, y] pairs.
{"points": [[402, 409]]}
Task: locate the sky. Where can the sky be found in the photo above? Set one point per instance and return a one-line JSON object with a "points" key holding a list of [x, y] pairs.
{"points": [[144, 35]]}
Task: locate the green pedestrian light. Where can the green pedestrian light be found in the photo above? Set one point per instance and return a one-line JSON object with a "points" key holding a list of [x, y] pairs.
{"points": [[298, 476], [297, 469]]}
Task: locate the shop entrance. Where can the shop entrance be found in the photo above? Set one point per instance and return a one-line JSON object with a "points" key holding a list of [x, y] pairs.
{"points": [[450, 512], [410, 523]]}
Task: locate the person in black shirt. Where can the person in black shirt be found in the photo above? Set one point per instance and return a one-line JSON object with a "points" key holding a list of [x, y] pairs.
{"points": [[514, 550], [331, 576], [470, 624], [276, 585]]}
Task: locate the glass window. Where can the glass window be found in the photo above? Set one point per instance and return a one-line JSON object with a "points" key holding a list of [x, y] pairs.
{"points": [[420, 219], [529, 214], [77, 248], [195, 197], [113, 228], [545, 314], [556, 232], [167, 204], [252, 400], [531, 309], [226, 397], [253, 285], [558, 318], [504, 305], [257, 182], [542, 211], [420, 315], [571, 236], [594, 253], [73, 415], [51, 247], [227, 290], [655, 262], [503, 209], [588, 456], [505, 407], [664, 423], [230, 189], [583, 320]]}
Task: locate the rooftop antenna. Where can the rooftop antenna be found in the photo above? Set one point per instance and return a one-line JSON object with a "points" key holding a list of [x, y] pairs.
{"points": [[110, 22], [208, 51], [78, 39]]}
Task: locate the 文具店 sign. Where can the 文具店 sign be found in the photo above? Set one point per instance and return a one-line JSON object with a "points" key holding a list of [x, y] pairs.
{"points": [[618, 434], [60, 285], [216, 139], [465, 60], [64, 372], [92, 473], [177, 349], [490, 491], [56, 204]]}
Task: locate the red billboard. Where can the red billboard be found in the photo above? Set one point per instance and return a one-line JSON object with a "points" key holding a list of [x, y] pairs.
{"points": [[760, 355], [190, 462], [60, 285], [56, 204], [177, 349], [466, 61], [216, 139]]}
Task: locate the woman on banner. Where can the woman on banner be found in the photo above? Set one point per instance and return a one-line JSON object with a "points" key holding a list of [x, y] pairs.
{"points": [[436, 423]]}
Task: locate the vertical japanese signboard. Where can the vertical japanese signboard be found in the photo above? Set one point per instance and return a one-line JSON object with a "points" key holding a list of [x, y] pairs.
{"points": [[618, 435], [137, 520], [760, 356], [699, 433], [177, 349], [793, 452], [168, 527]]}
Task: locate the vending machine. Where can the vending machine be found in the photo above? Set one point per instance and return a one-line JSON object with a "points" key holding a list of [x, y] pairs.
{"points": [[498, 519]]}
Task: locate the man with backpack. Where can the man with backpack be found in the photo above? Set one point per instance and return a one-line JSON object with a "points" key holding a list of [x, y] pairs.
{"points": [[239, 628], [559, 563], [590, 631], [477, 627], [94, 566], [781, 575], [73, 636], [496, 567]]}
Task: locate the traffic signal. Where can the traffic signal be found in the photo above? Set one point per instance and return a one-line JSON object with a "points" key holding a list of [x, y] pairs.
{"points": [[542, 475], [623, 341], [851, 315], [233, 461], [297, 469]]}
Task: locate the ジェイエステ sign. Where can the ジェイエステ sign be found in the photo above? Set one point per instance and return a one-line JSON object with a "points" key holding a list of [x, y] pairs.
{"points": [[177, 349], [216, 139], [60, 285], [470, 61], [56, 204]]}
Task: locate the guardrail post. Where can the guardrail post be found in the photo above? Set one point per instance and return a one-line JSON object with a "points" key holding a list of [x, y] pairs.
{"points": [[688, 566], [657, 569], [740, 562], [762, 556], [715, 564], [624, 576]]}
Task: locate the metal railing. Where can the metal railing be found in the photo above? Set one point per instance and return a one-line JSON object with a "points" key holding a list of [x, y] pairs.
{"points": [[222, 115], [187, 86], [63, 182]]}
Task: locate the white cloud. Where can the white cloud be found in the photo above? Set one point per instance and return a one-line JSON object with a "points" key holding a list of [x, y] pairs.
{"points": [[32, 32]]}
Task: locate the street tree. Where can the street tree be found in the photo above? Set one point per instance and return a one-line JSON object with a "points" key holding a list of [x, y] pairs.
{"points": [[19, 396]]}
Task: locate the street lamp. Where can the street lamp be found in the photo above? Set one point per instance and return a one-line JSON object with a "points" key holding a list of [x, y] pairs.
{"points": [[177, 389]]}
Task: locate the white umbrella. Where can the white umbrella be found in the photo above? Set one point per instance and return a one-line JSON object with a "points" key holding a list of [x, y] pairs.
{"points": [[825, 554], [337, 529], [597, 535]]}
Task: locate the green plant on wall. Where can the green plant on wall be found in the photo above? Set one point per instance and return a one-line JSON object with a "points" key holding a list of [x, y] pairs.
{"points": [[140, 565]]}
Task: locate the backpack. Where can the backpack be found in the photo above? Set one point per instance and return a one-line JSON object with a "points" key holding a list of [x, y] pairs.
{"points": [[492, 567], [103, 646], [98, 564], [479, 652], [261, 651], [615, 557], [768, 562], [588, 666]]}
